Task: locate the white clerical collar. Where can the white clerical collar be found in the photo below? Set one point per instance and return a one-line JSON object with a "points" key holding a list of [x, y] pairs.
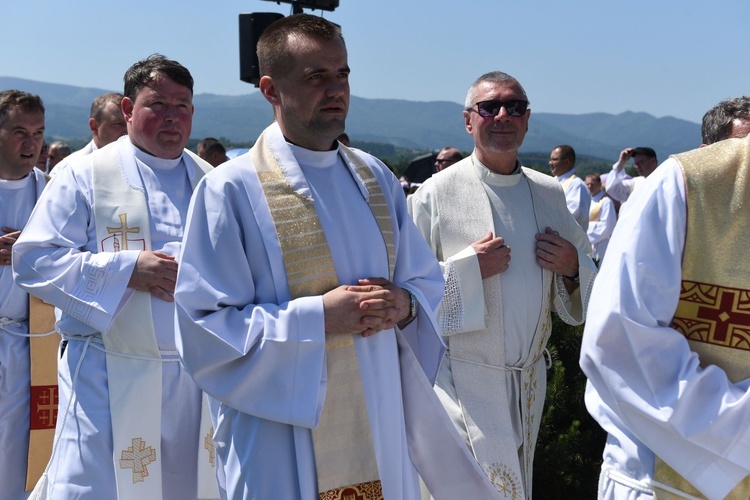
{"points": [[314, 159], [598, 196], [15, 183], [493, 178], [567, 174], [154, 161]]}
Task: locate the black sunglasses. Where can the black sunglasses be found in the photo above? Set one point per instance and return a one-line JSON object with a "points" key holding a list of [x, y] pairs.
{"points": [[487, 109]]}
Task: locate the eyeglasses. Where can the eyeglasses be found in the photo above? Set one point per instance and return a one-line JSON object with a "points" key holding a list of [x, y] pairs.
{"points": [[487, 109]]}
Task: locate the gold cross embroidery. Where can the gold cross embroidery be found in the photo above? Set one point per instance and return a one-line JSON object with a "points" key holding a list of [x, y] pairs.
{"points": [[137, 457], [208, 444], [46, 407], [123, 231]]}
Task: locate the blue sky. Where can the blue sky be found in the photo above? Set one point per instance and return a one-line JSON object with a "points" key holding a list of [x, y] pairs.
{"points": [[664, 57]]}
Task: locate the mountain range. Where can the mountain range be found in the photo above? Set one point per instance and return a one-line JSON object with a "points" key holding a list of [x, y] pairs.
{"points": [[408, 124]]}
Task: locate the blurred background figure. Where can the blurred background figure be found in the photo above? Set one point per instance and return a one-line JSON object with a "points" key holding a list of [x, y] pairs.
{"points": [[447, 157], [212, 151]]}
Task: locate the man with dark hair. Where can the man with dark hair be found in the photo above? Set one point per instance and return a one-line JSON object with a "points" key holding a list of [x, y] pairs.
{"points": [[314, 340], [212, 151], [728, 119], [619, 186], [102, 249], [21, 137], [562, 163], [447, 157], [496, 311]]}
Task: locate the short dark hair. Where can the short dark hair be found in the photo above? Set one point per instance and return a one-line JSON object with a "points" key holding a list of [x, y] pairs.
{"points": [[145, 71], [211, 145], [13, 98], [597, 178], [274, 54], [644, 151], [567, 152], [100, 102], [717, 122]]}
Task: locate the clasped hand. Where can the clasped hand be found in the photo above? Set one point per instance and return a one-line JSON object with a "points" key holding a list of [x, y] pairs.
{"points": [[372, 305]]}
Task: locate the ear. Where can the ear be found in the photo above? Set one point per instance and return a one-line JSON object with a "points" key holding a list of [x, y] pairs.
{"points": [[93, 126], [528, 115], [268, 88], [127, 108], [467, 121]]}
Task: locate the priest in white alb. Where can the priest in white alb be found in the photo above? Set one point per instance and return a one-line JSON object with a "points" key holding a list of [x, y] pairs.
{"points": [[602, 217], [495, 316], [666, 347], [101, 247], [21, 184], [305, 303]]}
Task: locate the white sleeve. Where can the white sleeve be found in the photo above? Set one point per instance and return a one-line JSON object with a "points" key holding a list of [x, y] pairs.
{"points": [[618, 185], [579, 201], [641, 369], [462, 308], [55, 258]]}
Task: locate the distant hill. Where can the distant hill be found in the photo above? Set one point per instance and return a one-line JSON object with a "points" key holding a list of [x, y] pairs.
{"points": [[404, 124]]}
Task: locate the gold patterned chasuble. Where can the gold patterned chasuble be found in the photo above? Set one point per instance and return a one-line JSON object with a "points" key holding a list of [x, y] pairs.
{"points": [[714, 308]]}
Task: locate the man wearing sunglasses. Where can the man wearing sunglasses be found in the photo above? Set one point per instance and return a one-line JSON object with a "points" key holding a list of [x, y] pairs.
{"points": [[495, 315]]}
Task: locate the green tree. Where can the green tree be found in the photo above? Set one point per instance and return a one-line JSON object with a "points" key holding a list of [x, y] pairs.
{"points": [[570, 443]]}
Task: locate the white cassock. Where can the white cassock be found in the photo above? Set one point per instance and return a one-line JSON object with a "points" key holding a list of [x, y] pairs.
{"points": [[17, 199], [577, 197], [600, 231], [508, 338], [620, 186], [58, 260], [261, 356], [633, 358]]}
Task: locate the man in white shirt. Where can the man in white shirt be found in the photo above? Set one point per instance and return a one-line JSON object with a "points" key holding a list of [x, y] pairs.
{"points": [[602, 217], [619, 185], [562, 163]]}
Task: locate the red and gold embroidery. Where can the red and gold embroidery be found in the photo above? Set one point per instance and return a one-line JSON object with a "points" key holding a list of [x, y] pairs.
{"points": [[714, 315]]}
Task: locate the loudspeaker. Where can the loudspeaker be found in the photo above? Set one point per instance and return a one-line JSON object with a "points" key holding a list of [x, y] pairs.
{"points": [[251, 27]]}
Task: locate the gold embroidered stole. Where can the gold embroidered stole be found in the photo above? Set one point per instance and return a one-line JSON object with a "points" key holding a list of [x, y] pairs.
{"points": [[596, 208], [567, 181], [43, 354], [134, 365], [714, 308], [478, 357], [43, 350], [344, 452]]}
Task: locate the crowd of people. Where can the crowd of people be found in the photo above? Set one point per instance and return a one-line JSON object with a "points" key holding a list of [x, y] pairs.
{"points": [[290, 325]]}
